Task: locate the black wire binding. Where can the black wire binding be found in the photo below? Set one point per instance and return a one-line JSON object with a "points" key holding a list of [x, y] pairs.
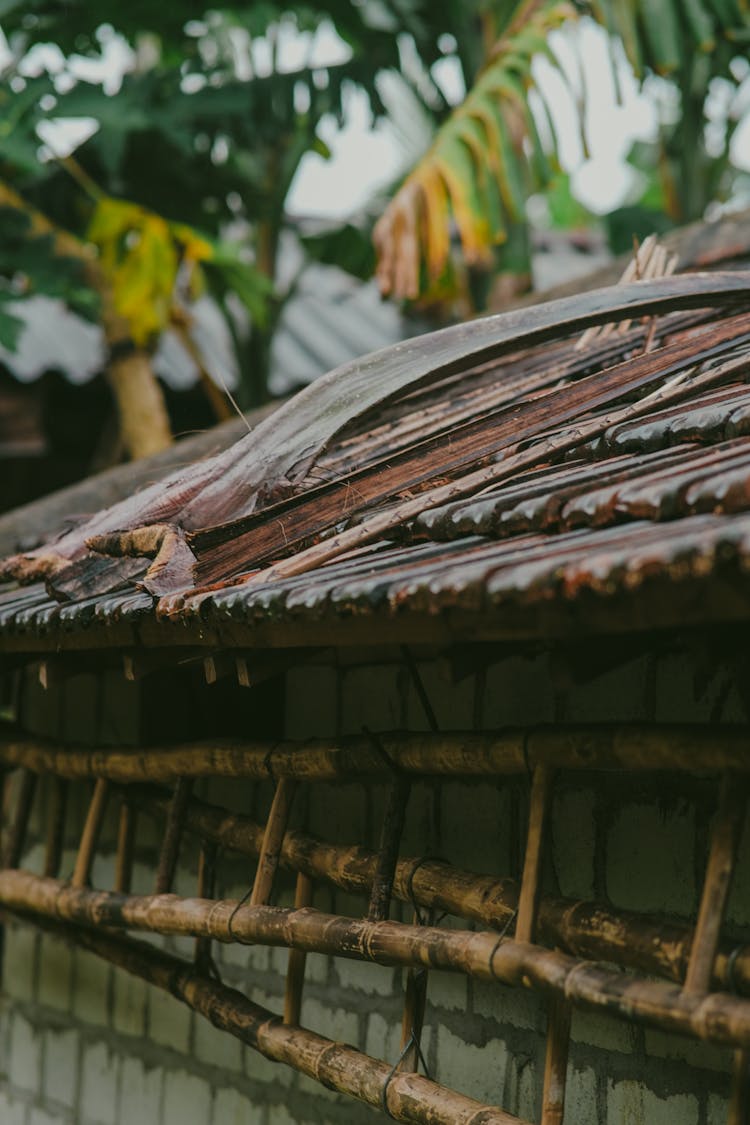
{"points": [[411, 1041]]}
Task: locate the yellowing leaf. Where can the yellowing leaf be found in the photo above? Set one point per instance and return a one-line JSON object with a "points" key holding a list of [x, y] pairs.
{"points": [[482, 165], [140, 254]]}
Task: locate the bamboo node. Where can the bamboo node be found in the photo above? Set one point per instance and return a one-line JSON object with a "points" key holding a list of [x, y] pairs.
{"points": [[230, 923], [732, 983]]}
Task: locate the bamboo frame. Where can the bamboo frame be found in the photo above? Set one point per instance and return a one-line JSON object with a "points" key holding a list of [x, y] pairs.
{"points": [[295, 972], [409, 1097], [170, 848], [724, 841], [273, 839], [718, 1018], [90, 835], [587, 929], [460, 754]]}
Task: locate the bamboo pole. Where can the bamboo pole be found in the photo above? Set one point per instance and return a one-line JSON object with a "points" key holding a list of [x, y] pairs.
{"points": [[295, 972], [90, 835], [558, 1012], [14, 845], [541, 791], [390, 840], [507, 752], [206, 889], [587, 929], [170, 848], [723, 849], [125, 846], [56, 828], [717, 1017], [273, 838], [410, 1097], [739, 1099]]}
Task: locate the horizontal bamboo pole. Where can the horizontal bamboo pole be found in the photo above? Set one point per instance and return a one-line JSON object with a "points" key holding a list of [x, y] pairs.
{"points": [[409, 1097], [506, 752], [717, 1017], [586, 929]]}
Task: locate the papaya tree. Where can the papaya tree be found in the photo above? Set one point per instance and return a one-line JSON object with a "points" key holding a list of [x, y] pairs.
{"points": [[179, 184]]}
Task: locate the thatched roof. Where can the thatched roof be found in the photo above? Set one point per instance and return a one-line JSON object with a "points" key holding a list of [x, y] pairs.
{"points": [[504, 477]]}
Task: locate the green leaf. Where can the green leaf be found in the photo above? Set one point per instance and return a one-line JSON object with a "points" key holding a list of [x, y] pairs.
{"points": [[10, 329]]}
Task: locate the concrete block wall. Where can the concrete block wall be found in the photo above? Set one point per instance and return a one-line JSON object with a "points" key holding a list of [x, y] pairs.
{"points": [[81, 1042]]}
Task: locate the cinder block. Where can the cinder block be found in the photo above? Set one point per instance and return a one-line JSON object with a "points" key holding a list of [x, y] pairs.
{"points": [[339, 813], [479, 1072], [215, 1047], [231, 1108], [696, 1055], [91, 979], [335, 1023], [98, 1100], [373, 696], [475, 825], [12, 1111], [516, 692], [447, 991], [617, 695], [383, 1038], [604, 1032], [367, 977], [650, 858], [140, 1093], [717, 1110], [19, 961], [120, 710], [60, 1067], [55, 973], [630, 1101], [168, 1020], [683, 693], [187, 1099], [510, 1007], [573, 836], [41, 1117], [451, 701], [81, 709], [129, 1012], [311, 702], [24, 1070], [581, 1097]]}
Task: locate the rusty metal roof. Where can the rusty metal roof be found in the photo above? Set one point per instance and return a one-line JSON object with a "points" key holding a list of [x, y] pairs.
{"points": [[491, 480]]}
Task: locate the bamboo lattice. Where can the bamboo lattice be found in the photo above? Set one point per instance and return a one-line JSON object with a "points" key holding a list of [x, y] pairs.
{"points": [[523, 938]]}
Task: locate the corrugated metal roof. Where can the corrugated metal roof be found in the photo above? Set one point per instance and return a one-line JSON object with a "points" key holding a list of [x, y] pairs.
{"points": [[492, 479]]}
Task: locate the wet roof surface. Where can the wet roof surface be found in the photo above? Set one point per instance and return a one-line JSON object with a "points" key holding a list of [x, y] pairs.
{"points": [[492, 479]]}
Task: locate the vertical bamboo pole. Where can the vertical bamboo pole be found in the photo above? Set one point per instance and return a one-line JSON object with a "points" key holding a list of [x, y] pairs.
{"points": [[725, 836], [90, 835], [390, 841], [559, 1011], [295, 973], [541, 789], [56, 828], [739, 1099], [412, 1021], [17, 836], [125, 847], [268, 861], [206, 889], [170, 848]]}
